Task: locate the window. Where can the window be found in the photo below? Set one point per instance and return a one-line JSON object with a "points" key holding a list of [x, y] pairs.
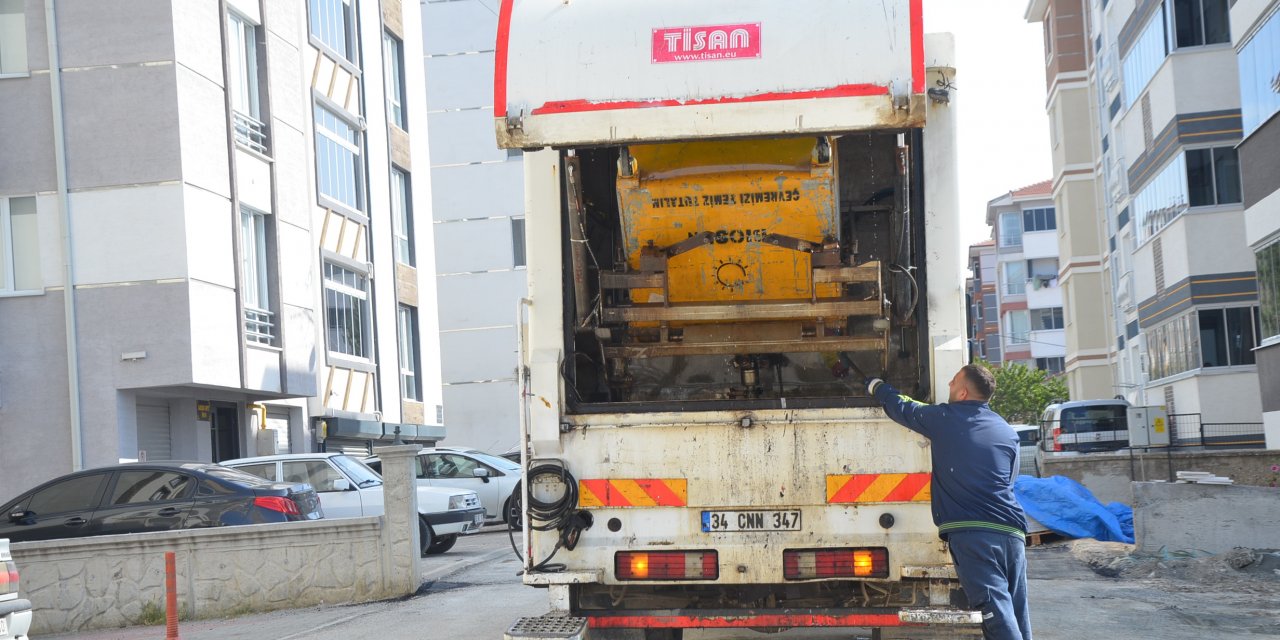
{"points": [[1052, 365], [243, 78], [517, 242], [1043, 272], [393, 72], [1046, 319], [1200, 22], [19, 245], [1039, 219], [1173, 347], [255, 278], [74, 494], [1268, 259], [1010, 230], [1260, 75], [1213, 176], [1227, 337], [1015, 278], [338, 163], [266, 471], [13, 37], [333, 24], [317, 473], [346, 309], [141, 487], [1196, 178], [449, 465], [402, 216], [1144, 58], [1019, 327], [407, 323]]}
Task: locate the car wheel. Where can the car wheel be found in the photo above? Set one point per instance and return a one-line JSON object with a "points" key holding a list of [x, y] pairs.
{"points": [[442, 544], [426, 536], [511, 511]]}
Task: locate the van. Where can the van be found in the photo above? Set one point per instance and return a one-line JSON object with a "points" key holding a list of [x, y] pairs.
{"points": [[1085, 426], [1028, 438]]}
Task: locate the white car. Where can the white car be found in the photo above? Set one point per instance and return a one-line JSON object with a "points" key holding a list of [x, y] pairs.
{"points": [[496, 480], [1028, 439], [15, 612], [348, 488]]}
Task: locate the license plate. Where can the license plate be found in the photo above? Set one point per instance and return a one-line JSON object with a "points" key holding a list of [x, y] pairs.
{"points": [[714, 521]]}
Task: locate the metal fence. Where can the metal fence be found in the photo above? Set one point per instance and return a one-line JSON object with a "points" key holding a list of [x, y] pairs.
{"points": [[1111, 434]]}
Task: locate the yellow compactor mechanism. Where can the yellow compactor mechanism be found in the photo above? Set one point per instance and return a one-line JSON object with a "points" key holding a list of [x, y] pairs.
{"points": [[731, 247]]}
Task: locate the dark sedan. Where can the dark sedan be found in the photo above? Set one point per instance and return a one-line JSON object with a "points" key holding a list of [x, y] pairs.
{"points": [[153, 496]]}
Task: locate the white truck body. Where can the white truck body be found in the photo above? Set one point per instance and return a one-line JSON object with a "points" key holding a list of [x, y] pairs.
{"points": [[650, 476]]}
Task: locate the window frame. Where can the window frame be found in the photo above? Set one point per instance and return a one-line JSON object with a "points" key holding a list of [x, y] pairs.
{"points": [[355, 147], [1041, 219], [255, 276], [409, 354], [1259, 97], [349, 30], [1223, 340], [363, 299], [394, 80], [22, 64], [1007, 238], [1013, 336], [1267, 264], [1014, 286], [402, 216], [1055, 316], [8, 252]]}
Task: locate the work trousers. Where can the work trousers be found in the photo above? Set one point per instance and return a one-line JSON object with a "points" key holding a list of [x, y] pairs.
{"points": [[992, 567]]}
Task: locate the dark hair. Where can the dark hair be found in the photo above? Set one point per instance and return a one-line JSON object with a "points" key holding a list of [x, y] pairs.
{"points": [[981, 382]]}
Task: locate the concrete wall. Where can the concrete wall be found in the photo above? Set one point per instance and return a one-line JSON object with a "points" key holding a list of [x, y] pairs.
{"points": [[106, 581], [1111, 476], [1208, 518]]}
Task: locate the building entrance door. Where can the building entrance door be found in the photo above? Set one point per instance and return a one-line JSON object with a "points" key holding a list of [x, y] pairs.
{"points": [[225, 432]]}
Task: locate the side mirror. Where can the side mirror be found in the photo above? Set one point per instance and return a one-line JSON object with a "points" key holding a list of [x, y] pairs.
{"points": [[341, 484], [481, 473], [18, 516]]}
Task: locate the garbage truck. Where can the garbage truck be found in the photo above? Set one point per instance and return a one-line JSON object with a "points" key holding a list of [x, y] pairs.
{"points": [[732, 207]]}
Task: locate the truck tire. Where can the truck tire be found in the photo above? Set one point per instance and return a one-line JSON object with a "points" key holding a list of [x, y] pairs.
{"points": [[426, 537], [442, 544]]}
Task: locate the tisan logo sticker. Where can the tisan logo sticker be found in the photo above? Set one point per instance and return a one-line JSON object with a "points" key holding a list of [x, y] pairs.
{"points": [[713, 42]]}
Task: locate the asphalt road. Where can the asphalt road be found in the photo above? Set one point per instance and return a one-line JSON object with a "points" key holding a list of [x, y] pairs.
{"points": [[474, 593]]}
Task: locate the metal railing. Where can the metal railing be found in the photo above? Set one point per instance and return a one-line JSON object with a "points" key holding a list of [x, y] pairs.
{"points": [[250, 132], [259, 327], [1185, 430]]}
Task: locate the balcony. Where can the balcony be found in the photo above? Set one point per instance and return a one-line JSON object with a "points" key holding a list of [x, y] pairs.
{"points": [[1043, 291]]}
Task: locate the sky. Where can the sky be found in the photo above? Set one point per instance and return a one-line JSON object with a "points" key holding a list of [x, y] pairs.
{"points": [[1000, 97]]}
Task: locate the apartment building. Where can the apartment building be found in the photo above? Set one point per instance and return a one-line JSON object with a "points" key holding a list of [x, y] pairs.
{"points": [[206, 231], [984, 305], [1183, 308], [1087, 334], [1255, 32], [1024, 228], [478, 208]]}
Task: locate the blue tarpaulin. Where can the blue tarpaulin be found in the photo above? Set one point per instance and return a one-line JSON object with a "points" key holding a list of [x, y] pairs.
{"points": [[1067, 507]]}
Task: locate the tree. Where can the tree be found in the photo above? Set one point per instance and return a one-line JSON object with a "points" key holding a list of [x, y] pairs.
{"points": [[1022, 392]]}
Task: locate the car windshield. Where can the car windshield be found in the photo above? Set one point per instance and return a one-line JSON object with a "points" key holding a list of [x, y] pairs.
{"points": [[358, 471], [1098, 418], [495, 461]]}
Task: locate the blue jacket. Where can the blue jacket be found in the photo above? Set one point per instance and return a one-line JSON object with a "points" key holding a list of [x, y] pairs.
{"points": [[975, 461]]}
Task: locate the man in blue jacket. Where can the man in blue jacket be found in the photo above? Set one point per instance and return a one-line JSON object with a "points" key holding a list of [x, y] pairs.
{"points": [[975, 461]]}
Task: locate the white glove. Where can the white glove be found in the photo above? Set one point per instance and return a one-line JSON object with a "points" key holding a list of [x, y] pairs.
{"points": [[872, 383]]}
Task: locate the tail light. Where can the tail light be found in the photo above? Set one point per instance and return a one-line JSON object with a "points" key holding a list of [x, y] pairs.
{"points": [[277, 503], [666, 565], [1057, 444], [8, 578], [835, 563]]}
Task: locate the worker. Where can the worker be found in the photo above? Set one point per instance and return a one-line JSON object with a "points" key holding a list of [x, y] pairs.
{"points": [[975, 461]]}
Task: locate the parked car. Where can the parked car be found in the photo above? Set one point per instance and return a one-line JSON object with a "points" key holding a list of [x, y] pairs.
{"points": [[152, 496], [1085, 426], [348, 488], [496, 480], [15, 612], [1028, 438]]}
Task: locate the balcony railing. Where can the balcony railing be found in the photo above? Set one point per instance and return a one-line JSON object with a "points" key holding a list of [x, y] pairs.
{"points": [[250, 133], [259, 326]]}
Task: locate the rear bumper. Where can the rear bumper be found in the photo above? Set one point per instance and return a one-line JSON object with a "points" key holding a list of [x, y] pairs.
{"points": [[17, 616], [783, 618], [457, 521]]}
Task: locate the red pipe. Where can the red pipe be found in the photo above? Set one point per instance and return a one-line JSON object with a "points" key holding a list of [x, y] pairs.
{"points": [[170, 596]]}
